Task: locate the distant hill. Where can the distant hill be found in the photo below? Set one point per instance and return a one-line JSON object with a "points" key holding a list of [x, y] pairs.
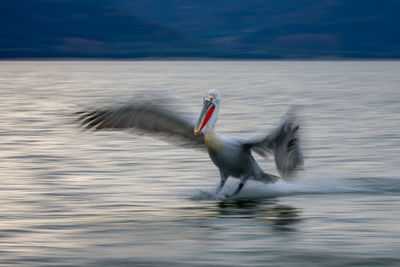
{"points": [[200, 29]]}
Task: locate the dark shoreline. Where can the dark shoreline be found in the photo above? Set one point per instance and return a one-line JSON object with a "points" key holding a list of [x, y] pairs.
{"points": [[200, 59]]}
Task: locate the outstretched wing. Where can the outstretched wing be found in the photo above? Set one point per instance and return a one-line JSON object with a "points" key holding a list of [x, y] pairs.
{"points": [[143, 118], [283, 143]]}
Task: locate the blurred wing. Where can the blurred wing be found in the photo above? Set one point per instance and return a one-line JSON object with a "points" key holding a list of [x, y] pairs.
{"points": [[283, 143], [144, 118]]}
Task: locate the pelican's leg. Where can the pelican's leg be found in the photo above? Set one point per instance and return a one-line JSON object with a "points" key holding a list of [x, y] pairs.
{"points": [[241, 184], [224, 177]]}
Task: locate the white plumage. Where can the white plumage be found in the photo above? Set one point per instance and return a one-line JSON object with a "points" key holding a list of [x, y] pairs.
{"points": [[232, 155]]}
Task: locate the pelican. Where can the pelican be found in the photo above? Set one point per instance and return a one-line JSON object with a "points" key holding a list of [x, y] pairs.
{"points": [[232, 155]]}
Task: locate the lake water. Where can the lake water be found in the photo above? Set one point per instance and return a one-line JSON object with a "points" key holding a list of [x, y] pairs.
{"points": [[73, 197]]}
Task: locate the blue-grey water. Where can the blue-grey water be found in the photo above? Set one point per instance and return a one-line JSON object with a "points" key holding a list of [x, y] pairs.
{"points": [[73, 197]]}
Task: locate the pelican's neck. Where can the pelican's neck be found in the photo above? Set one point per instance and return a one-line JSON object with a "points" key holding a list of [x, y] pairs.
{"points": [[212, 140]]}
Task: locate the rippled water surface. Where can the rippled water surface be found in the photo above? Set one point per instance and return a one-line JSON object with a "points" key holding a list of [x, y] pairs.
{"points": [[73, 197]]}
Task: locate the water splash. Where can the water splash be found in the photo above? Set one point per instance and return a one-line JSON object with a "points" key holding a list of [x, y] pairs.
{"points": [[305, 186]]}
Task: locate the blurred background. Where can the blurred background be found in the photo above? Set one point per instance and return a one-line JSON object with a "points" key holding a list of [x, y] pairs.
{"points": [[70, 197], [252, 29]]}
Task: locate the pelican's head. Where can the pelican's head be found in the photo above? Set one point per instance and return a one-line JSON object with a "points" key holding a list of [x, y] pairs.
{"points": [[210, 111]]}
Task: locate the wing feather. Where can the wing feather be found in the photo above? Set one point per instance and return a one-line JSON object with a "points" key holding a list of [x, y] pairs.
{"points": [[284, 143], [143, 118]]}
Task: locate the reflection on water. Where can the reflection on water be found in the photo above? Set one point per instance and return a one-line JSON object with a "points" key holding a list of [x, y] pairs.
{"points": [[281, 216], [75, 198]]}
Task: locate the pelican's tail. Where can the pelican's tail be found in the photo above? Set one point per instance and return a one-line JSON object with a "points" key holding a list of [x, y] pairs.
{"points": [[266, 178]]}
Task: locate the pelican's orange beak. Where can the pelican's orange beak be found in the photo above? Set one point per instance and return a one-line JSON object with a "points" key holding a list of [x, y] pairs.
{"points": [[205, 115]]}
